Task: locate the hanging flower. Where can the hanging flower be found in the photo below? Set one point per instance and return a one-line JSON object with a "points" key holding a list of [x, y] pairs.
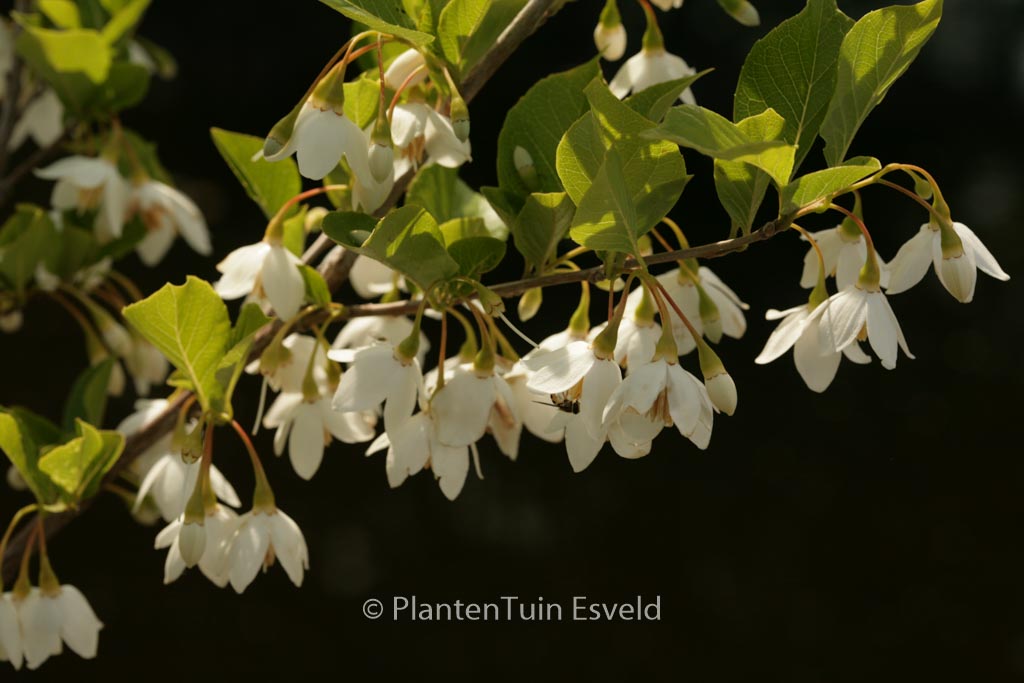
{"points": [[800, 330], [267, 270], [10, 626], [86, 183], [48, 617], [167, 212], [958, 272], [843, 251], [423, 136], [219, 528], [854, 312], [263, 536], [42, 121]]}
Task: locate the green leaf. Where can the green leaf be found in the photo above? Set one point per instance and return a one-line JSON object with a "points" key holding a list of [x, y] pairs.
{"points": [[793, 71], [440, 191], [406, 240], [466, 28], [268, 184], [189, 323], [26, 238], [362, 99], [63, 13], [387, 16], [471, 246], [654, 171], [540, 226], [126, 86], [877, 50], [73, 61], [19, 434], [294, 229], [316, 287], [124, 20], [78, 466], [88, 398], [654, 102], [715, 136], [819, 188], [741, 186], [606, 219], [537, 123]]}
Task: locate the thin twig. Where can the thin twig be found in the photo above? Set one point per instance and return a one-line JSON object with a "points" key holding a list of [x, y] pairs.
{"points": [[335, 268]]}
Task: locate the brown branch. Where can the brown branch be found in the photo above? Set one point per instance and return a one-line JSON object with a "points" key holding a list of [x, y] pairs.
{"points": [[335, 268]]}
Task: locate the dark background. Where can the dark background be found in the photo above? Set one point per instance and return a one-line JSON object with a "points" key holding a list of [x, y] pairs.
{"points": [[870, 533]]}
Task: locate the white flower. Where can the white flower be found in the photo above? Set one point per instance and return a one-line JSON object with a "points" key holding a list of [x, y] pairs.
{"points": [[371, 278], [308, 426], [264, 269], [378, 374], [288, 376], [368, 191], [661, 394], [422, 136], [416, 443], [461, 409], [167, 212], [742, 11], [849, 314], [610, 41], [219, 528], [262, 537], [535, 410], [165, 477], [10, 626], [85, 183], [383, 329], [42, 120], [799, 330], [320, 138], [401, 67], [651, 67], [146, 364], [46, 619], [957, 274], [844, 256]]}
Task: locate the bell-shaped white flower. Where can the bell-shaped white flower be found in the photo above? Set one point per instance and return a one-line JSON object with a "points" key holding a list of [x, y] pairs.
{"points": [[382, 329], [415, 444], [10, 628], [798, 330], [261, 537], [577, 366], [378, 374], [267, 270], [308, 425], [85, 183], [534, 410], [462, 408], [651, 67], [843, 252], [958, 274], [42, 121], [369, 192], [661, 394], [219, 528], [167, 212], [165, 477], [321, 137], [48, 617], [422, 136], [854, 312]]}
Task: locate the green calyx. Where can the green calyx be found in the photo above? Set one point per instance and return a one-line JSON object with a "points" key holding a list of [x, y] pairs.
{"points": [[579, 323], [666, 347], [653, 41], [195, 508], [282, 131], [710, 364], [410, 346], [49, 584], [610, 17], [952, 245], [849, 231], [459, 114], [274, 357], [870, 277], [329, 93], [645, 311], [483, 364]]}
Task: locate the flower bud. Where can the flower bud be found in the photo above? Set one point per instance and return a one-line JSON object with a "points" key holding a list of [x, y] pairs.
{"points": [[314, 217], [719, 383], [742, 11], [192, 542], [15, 480], [460, 117], [401, 67], [276, 143], [523, 162], [610, 34], [382, 160], [529, 303]]}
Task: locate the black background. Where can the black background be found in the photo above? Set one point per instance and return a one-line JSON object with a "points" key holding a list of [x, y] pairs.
{"points": [[870, 533]]}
